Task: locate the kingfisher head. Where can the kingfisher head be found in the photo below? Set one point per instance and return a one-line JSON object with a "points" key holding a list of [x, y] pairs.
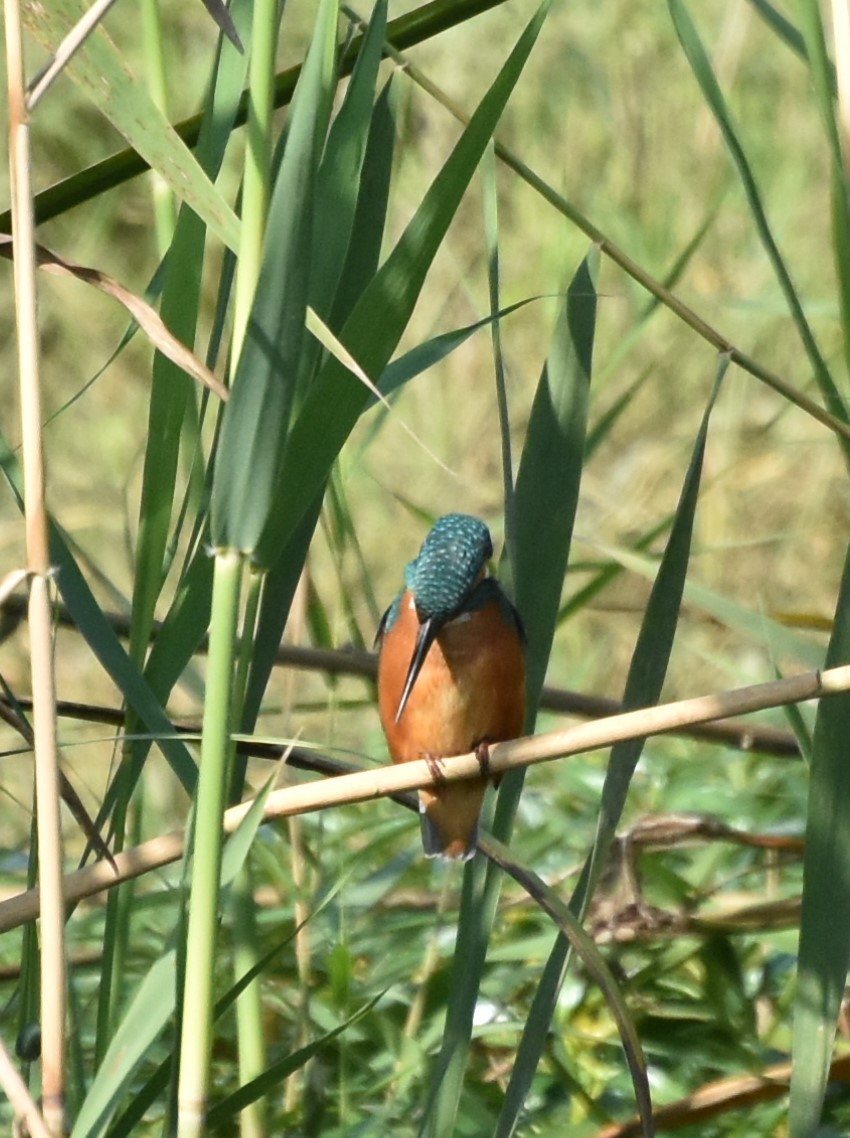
{"points": [[451, 562]]}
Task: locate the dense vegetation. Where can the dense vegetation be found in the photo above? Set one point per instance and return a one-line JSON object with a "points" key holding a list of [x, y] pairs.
{"points": [[620, 336]]}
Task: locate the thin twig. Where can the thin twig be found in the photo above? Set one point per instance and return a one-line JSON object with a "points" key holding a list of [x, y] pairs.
{"points": [[619, 256]]}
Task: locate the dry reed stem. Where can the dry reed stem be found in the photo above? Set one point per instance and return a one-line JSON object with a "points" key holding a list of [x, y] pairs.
{"points": [[72, 42], [381, 782], [18, 1095], [50, 856]]}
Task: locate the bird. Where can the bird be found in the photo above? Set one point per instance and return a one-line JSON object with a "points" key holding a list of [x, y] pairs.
{"points": [[451, 674]]}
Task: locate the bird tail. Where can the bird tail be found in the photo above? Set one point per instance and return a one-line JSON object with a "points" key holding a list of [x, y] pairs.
{"points": [[442, 839]]}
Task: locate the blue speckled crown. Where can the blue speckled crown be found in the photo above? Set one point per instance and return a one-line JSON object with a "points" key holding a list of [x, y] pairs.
{"points": [[449, 562]]}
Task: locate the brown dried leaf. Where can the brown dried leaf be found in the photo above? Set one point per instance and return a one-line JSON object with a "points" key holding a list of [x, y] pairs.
{"points": [[143, 313]]}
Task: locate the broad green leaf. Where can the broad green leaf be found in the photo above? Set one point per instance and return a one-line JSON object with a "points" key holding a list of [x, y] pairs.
{"points": [[338, 179], [367, 231], [643, 688], [337, 191], [336, 399], [170, 394], [149, 1011], [101, 72], [257, 415], [824, 951], [550, 472]]}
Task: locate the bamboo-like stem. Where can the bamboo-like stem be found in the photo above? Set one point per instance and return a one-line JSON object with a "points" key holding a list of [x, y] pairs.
{"points": [[196, 1036], [50, 859], [381, 782], [246, 950]]}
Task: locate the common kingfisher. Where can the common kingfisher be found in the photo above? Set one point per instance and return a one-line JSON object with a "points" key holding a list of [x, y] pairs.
{"points": [[451, 673]]}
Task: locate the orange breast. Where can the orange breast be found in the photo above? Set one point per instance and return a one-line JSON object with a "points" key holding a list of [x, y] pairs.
{"points": [[471, 687]]}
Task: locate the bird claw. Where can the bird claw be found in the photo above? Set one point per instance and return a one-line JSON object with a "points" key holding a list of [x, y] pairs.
{"points": [[435, 763], [482, 754], [435, 769]]}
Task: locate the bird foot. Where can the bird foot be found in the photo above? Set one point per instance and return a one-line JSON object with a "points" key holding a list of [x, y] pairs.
{"points": [[482, 753], [435, 769]]}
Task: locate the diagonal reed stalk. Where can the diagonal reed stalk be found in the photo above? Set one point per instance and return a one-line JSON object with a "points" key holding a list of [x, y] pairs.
{"points": [[368, 785]]}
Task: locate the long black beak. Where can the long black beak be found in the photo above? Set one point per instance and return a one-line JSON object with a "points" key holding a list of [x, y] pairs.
{"points": [[427, 635]]}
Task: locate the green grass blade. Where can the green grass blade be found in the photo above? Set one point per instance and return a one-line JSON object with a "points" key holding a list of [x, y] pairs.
{"points": [[701, 66], [643, 687], [98, 634], [338, 192], [789, 33], [256, 417], [609, 572], [778, 639], [550, 471], [438, 348], [154, 1001], [585, 948], [183, 627], [170, 392], [147, 1015], [655, 642], [823, 77], [338, 180], [824, 951], [371, 333], [367, 231], [277, 1071], [491, 236], [100, 71], [823, 72]]}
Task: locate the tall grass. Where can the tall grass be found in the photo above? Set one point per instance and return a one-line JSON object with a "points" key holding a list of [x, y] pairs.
{"points": [[632, 362]]}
